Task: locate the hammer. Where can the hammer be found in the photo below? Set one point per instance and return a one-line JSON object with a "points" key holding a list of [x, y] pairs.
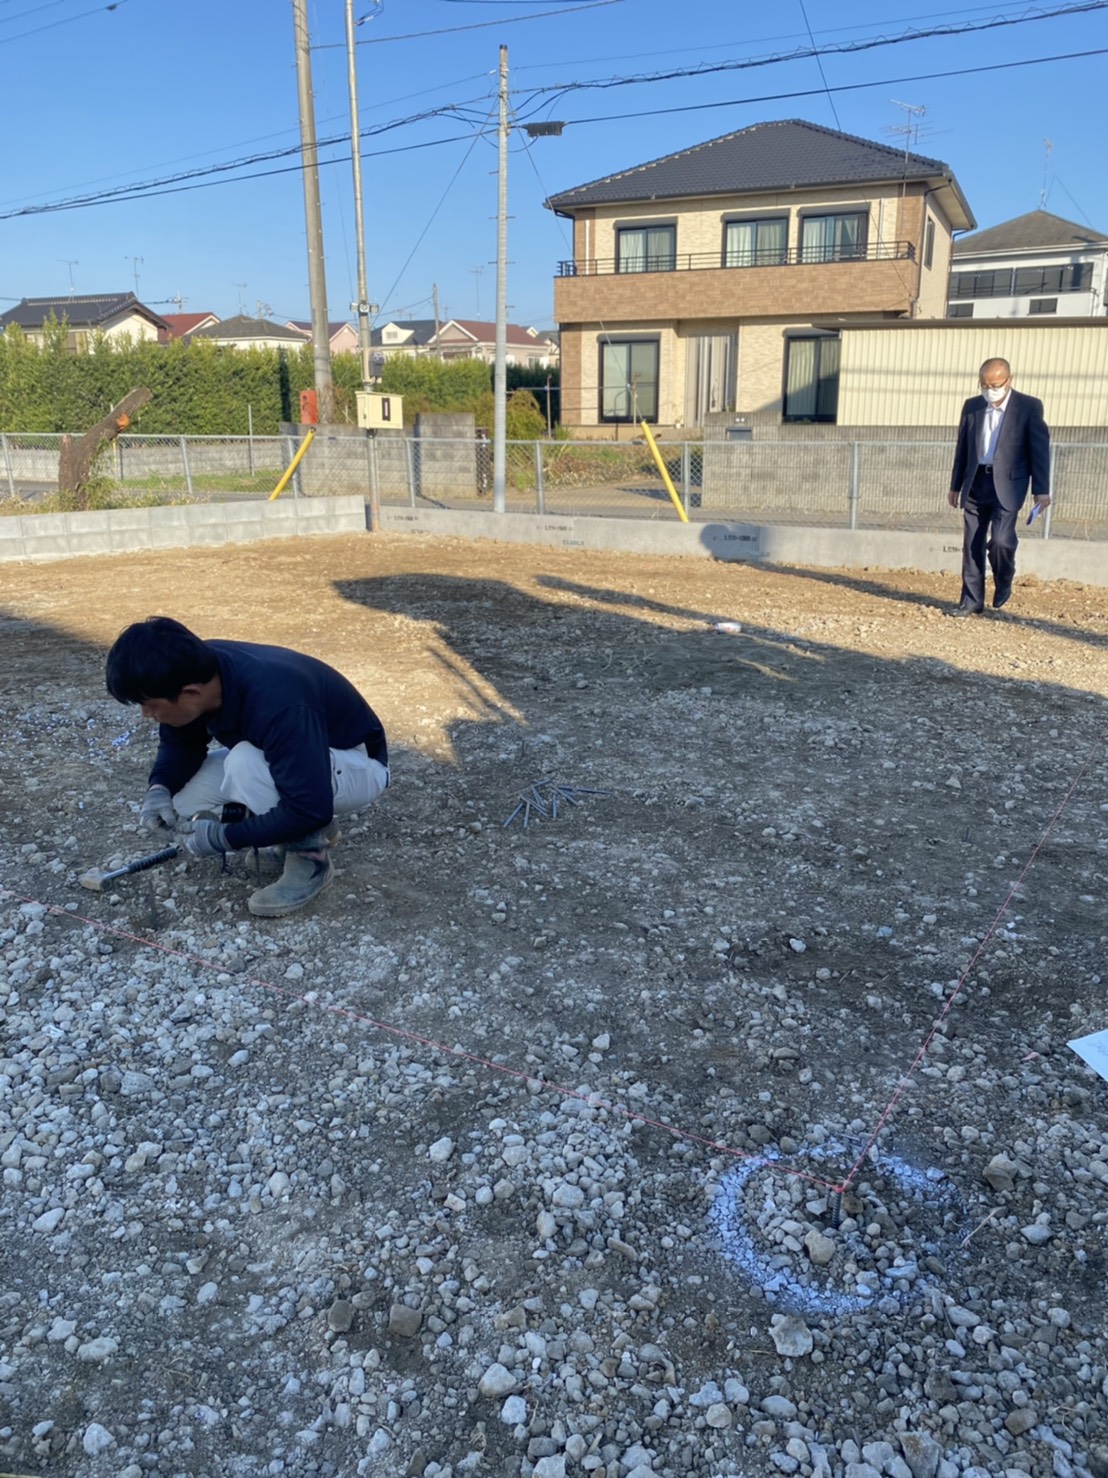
{"points": [[97, 879]]}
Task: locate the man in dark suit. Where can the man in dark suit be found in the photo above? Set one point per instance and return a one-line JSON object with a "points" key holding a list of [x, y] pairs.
{"points": [[1003, 450]]}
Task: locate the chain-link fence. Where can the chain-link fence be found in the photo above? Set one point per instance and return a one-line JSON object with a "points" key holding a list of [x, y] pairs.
{"points": [[827, 482]]}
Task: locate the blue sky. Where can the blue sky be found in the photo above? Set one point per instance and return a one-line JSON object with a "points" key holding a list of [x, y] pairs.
{"points": [[96, 98]]}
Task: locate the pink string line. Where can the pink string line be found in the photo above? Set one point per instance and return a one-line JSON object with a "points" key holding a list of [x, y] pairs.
{"points": [[590, 1099], [989, 932]]}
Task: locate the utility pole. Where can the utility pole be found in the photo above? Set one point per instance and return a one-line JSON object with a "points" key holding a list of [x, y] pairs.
{"points": [[313, 216], [500, 368], [362, 307], [435, 303]]}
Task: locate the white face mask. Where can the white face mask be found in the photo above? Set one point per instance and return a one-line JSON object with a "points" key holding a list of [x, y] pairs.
{"points": [[994, 394]]}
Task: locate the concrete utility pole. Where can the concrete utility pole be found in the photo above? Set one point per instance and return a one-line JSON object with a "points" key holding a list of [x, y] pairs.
{"points": [[313, 216], [362, 307], [500, 368]]}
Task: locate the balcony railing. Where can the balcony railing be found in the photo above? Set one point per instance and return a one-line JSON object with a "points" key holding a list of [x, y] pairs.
{"points": [[699, 261]]}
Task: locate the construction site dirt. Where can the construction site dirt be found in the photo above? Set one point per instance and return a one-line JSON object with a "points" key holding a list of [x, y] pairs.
{"points": [[721, 1119]]}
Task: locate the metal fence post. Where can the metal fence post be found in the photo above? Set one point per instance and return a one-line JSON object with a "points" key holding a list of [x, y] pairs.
{"points": [[374, 483], [686, 475], [185, 464], [855, 481], [119, 459], [409, 460], [8, 465], [540, 485], [1052, 473]]}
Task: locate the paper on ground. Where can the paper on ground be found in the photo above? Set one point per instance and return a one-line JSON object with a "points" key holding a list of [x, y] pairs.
{"points": [[1094, 1050]]}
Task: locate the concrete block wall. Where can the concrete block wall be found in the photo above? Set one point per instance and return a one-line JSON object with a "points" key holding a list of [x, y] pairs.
{"points": [[50, 536]]}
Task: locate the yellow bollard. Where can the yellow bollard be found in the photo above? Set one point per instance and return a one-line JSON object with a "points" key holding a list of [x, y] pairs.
{"points": [[291, 468], [660, 464]]}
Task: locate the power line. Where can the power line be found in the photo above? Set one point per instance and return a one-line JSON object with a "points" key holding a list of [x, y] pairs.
{"points": [[845, 48], [776, 97], [68, 21], [512, 20], [819, 64], [200, 179]]}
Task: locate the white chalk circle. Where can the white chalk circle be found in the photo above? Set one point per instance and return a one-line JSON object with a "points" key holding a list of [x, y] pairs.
{"points": [[774, 1225]]}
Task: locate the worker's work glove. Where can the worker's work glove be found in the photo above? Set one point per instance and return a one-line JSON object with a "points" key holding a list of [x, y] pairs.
{"points": [[203, 838], [157, 812]]}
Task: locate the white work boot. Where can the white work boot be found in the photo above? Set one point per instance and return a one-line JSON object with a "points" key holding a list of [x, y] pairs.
{"points": [[308, 870]]}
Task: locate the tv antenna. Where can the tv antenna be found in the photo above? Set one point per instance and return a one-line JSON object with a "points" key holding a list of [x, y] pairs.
{"points": [[1048, 150], [70, 263], [242, 302], [913, 112], [136, 263]]}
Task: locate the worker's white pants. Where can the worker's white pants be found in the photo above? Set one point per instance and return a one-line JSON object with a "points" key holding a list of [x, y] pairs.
{"points": [[241, 774]]}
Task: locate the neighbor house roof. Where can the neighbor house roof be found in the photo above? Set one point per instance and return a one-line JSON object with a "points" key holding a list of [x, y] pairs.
{"points": [[1038, 230], [79, 312], [181, 324], [485, 333], [305, 326], [419, 331], [786, 155], [243, 327]]}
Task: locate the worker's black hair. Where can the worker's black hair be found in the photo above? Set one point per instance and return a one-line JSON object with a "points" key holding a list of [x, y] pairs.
{"points": [[156, 658]]}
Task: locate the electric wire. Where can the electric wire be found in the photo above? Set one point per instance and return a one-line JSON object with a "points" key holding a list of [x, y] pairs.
{"points": [[66, 21], [512, 20], [819, 64], [846, 48]]}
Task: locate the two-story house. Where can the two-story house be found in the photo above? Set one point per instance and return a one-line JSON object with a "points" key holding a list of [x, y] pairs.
{"points": [[1037, 265], [113, 316], [717, 278]]}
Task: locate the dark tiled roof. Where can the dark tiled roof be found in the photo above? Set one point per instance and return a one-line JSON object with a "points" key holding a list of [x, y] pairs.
{"points": [[244, 327], [79, 312], [421, 331], [1038, 229], [784, 155], [305, 326]]}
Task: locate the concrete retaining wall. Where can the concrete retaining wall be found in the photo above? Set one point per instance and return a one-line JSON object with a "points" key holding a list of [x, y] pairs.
{"points": [[1061, 559], [46, 536]]}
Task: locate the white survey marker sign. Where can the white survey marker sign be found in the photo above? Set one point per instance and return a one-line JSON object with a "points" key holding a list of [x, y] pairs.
{"points": [[1094, 1050]]}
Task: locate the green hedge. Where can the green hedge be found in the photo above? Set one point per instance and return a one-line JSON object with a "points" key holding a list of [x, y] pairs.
{"points": [[203, 389]]}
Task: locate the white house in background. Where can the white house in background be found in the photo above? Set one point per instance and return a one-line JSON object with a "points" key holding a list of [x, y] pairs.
{"points": [[114, 315], [242, 332], [1037, 265], [462, 338], [343, 337]]}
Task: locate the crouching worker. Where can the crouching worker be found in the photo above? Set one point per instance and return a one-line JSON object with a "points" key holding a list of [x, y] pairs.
{"points": [[297, 745]]}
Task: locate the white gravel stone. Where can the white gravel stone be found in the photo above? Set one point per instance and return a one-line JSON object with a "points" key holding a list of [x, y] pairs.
{"points": [[96, 1439], [497, 1381]]}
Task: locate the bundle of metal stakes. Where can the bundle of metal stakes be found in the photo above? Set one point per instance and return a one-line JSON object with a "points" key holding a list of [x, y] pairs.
{"points": [[542, 800]]}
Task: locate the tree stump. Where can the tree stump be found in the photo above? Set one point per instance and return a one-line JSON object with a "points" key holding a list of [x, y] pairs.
{"points": [[78, 455]]}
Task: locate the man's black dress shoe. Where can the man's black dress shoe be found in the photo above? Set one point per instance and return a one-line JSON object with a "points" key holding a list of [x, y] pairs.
{"points": [[966, 610], [1001, 597]]}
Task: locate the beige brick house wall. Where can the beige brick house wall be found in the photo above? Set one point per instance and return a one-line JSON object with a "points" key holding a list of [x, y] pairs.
{"points": [[760, 303]]}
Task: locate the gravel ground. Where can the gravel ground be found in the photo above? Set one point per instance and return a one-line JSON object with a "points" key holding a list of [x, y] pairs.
{"points": [[522, 1152]]}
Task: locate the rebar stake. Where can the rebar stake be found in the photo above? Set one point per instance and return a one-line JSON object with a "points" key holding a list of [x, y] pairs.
{"points": [[836, 1209]]}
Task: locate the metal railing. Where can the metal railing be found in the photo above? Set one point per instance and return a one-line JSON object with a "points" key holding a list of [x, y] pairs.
{"points": [[829, 482], [699, 261]]}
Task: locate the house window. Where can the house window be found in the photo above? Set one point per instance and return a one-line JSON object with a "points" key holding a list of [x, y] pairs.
{"points": [[960, 310], [755, 243], [1043, 305], [834, 238], [1032, 280], [929, 244], [629, 380], [981, 284], [812, 378], [646, 248]]}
